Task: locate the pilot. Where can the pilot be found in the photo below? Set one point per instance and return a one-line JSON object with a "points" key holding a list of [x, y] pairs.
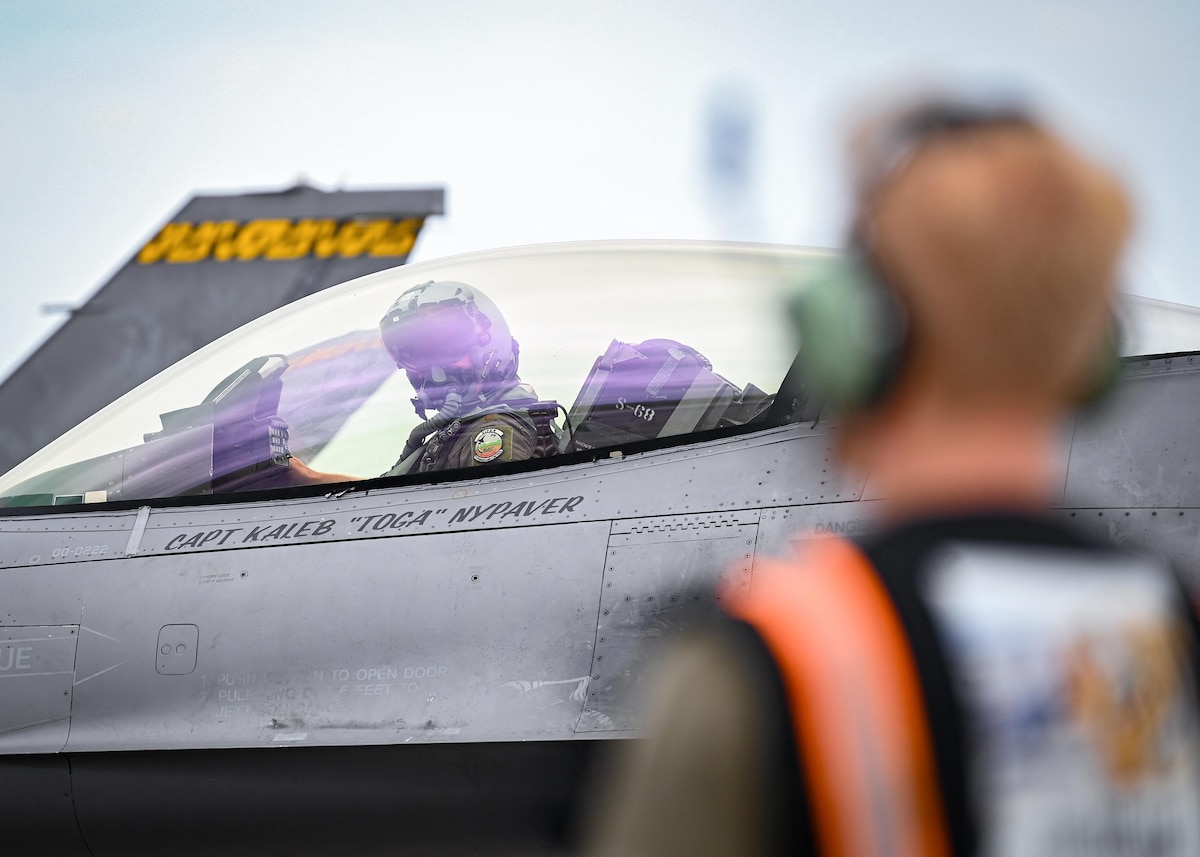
{"points": [[461, 360]]}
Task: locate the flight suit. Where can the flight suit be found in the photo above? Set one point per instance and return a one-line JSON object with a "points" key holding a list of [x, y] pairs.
{"points": [[486, 438], [991, 684]]}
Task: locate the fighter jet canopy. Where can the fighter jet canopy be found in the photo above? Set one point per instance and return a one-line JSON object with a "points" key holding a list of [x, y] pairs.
{"points": [[624, 346], [626, 343]]}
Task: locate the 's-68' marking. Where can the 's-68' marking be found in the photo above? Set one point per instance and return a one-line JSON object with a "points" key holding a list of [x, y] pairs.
{"points": [[639, 410]]}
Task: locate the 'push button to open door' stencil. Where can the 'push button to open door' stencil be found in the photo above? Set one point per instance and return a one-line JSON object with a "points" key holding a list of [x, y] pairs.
{"points": [[177, 649]]}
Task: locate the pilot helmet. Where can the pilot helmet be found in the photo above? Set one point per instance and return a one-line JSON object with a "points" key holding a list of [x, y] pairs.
{"points": [[446, 334]]}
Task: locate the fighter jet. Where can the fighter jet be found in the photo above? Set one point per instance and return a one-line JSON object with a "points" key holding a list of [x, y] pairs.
{"points": [[382, 571]]}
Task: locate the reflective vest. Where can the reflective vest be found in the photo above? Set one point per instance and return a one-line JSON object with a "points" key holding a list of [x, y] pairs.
{"points": [[856, 703]]}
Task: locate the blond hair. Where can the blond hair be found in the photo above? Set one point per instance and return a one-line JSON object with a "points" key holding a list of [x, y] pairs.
{"points": [[1004, 243]]}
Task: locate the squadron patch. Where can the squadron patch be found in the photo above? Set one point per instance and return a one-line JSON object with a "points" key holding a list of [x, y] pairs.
{"points": [[488, 445]]}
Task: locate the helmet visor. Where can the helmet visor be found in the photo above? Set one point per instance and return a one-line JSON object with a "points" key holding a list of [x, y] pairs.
{"points": [[438, 335]]}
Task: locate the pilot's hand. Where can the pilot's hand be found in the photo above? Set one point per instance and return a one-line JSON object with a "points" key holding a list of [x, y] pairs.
{"points": [[302, 474]]}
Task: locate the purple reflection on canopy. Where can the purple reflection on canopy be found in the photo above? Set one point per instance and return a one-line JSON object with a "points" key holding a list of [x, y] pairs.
{"points": [[326, 383]]}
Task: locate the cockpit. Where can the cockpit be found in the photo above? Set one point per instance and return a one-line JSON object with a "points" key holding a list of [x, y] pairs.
{"points": [[614, 345]]}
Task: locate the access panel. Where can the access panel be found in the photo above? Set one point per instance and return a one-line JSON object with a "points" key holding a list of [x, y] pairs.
{"points": [[660, 579], [37, 663]]}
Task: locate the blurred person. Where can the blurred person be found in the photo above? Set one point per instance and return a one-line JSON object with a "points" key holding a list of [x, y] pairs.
{"points": [[456, 349], [974, 677]]}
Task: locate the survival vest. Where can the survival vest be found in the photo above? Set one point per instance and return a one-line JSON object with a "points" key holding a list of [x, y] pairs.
{"points": [[536, 416]]}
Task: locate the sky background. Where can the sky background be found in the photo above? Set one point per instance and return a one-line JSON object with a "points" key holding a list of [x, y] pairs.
{"points": [[545, 121]]}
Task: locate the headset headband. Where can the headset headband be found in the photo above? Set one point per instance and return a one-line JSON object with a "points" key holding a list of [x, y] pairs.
{"points": [[890, 145]]}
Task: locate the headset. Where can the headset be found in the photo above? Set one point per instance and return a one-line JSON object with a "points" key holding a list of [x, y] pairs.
{"points": [[852, 326]]}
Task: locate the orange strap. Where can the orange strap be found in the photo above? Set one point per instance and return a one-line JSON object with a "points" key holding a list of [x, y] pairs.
{"points": [[857, 710]]}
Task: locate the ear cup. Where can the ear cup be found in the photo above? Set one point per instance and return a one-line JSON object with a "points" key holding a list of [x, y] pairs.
{"points": [[1109, 368], [852, 332]]}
